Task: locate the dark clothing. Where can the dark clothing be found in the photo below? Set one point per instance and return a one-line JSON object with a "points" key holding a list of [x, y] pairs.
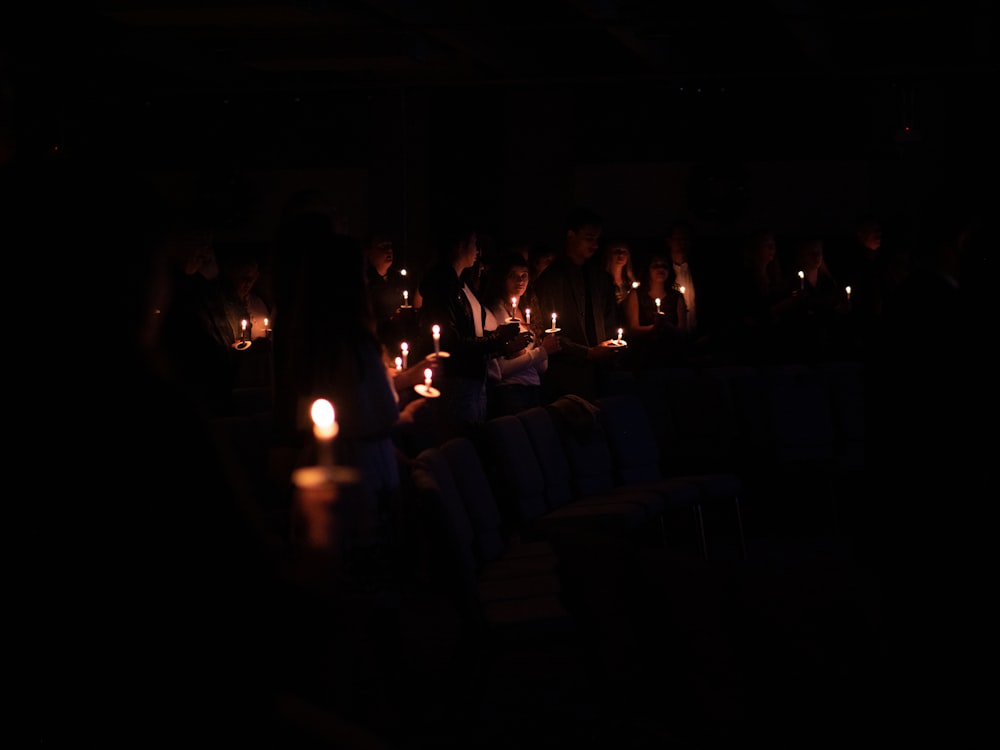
{"points": [[393, 322], [446, 304], [198, 341], [583, 298], [463, 394]]}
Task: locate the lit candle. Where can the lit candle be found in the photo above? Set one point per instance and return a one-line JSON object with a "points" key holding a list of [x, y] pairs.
{"points": [[620, 332], [682, 290], [402, 272], [427, 378], [802, 280], [399, 364], [848, 290], [553, 321], [325, 429], [436, 334], [267, 325], [635, 284], [527, 316], [657, 300], [406, 298], [243, 329], [405, 348], [513, 307]]}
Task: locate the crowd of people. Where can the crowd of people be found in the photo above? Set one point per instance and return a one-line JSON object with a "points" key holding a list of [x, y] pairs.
{"points": [[191, 325]]}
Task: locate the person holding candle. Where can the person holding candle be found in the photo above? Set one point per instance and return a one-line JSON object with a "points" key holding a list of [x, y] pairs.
{"points": [[657, 331], [393, 321], [618, 262], [819, 301], [577, 287], [515, 382], [335, 354], [469, 330]]}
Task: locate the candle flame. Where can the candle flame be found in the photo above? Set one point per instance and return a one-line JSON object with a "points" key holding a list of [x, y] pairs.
{"points": [[802, 274], [436, 330], [427, 377], [324, 419], [404, 347], [682, 290]]}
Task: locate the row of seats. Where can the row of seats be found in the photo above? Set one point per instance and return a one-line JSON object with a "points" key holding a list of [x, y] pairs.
{"points": [[659, 446]]}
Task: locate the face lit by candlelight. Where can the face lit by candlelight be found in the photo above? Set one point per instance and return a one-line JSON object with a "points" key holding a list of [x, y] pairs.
{"points": [[516, 282], [581, 244], [380, 254]]}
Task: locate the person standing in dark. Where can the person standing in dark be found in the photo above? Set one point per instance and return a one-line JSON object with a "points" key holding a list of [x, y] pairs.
{"points": [[579, 290], [469, 333], [931, 416], [391, 298]]}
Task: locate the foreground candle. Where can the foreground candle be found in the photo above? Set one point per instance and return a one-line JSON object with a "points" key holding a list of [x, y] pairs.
{"points": [[325, 429], [527, 316], [399, 364], [406, 298], [802, 280], [513, 308], [405, 349], [657, 300], [620, 332], [436, 334], [553, 321], [243, 329]]}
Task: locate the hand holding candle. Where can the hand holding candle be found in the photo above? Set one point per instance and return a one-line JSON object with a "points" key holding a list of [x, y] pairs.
{"points": [[426, 389]]}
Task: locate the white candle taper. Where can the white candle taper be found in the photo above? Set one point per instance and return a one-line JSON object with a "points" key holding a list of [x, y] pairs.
{"points": [[436, 335], [405, 349], [325, 429]]}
